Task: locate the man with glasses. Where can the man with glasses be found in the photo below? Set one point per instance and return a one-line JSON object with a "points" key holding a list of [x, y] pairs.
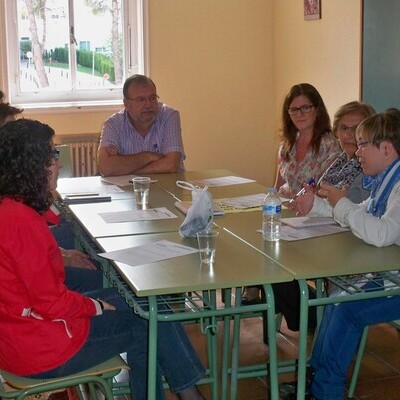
{"points": [[144, 137]]}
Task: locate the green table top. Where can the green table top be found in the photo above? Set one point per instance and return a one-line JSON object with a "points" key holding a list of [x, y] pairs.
{"points": [[88, 216], [168, 183], [339, 254], [236, 264]]}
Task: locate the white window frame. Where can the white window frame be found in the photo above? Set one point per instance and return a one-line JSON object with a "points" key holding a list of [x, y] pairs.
{"points": [[69, 101]]}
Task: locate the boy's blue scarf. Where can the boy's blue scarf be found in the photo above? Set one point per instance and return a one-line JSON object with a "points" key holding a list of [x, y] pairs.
{"points": [[381, 186]]}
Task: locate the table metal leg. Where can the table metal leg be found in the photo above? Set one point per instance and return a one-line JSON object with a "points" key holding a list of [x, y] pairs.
{"points": [[273, 362], [273, 357], [211, 333], [235, 346], [302, 356], [226, 345], [152, 356]]}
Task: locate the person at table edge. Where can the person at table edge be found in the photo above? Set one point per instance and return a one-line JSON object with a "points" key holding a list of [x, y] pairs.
{"points": [[144, 137], [377, 222]]}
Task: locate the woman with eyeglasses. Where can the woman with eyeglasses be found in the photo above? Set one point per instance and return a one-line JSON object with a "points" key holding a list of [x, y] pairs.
{"points": [[345, 172], [47, 330], [377, 222], [308, 146], [307, 149], [81, 272]]}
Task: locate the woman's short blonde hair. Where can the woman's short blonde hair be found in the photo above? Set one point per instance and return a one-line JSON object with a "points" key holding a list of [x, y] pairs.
{"points": [[353, 107], [382, 127]]}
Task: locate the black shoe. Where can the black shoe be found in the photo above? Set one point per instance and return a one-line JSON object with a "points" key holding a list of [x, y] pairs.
{"points": [[246, 301], [288, 391], [293, 396]]}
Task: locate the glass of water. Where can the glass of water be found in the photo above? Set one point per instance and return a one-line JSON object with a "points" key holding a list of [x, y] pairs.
{"points": [[207, 245], [141, 187]]}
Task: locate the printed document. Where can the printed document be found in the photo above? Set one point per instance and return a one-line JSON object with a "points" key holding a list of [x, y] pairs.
{"points": [[223, 181], [137, 215], [250, 201], [149, 253]]}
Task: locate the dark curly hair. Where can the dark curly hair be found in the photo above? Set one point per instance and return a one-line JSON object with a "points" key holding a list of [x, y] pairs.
{"points": [[7, 110], [25, 155], [322, 123]]}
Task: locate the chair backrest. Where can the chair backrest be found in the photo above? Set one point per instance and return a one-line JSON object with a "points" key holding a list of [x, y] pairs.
{"points": [[65, 158]]}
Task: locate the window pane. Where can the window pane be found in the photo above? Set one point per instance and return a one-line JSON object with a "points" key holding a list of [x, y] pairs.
{"points": [[74, 52], [44, 45], [99, 52]]}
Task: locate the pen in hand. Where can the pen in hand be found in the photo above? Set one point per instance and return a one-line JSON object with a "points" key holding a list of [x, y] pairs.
{"points": [[309, 183], [301, 191]]}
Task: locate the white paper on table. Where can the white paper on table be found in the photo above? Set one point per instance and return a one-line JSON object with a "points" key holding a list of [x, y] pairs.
{"points": [[253, 200], [137, 215], [223, 181], [112, 189], [100, 190], [149, 253], [122, 180], [290, 234]]}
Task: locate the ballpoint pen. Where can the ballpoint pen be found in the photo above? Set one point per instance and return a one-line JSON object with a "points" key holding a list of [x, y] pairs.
{"points": [[309, 183], [301, 191]]}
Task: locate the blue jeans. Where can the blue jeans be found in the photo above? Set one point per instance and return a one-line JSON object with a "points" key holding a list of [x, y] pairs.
{"points": [[83, 280], [116, 332], [77, 279], [338, 339], [63, 235]]}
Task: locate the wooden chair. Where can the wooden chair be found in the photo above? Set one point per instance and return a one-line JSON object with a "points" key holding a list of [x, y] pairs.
{"points": [[99, 377]]}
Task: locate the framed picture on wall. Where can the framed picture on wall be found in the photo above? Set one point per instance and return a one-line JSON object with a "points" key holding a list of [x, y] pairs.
{"points": [[312, 9]]}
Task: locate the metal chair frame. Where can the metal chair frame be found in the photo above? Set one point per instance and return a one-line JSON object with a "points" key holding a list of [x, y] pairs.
{"points": [[98, 377]]}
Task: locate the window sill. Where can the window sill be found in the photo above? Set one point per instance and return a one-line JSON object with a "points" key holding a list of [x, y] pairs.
{"points": [[72, 107]]}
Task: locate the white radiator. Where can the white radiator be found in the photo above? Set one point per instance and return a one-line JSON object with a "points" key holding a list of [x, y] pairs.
{"points": [[83, 153]]}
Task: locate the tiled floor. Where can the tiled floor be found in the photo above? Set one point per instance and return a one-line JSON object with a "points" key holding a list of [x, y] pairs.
{"points": [[379, 376]]}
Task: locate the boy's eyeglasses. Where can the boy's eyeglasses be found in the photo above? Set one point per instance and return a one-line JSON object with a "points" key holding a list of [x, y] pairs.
{"points": [[362, 145]]}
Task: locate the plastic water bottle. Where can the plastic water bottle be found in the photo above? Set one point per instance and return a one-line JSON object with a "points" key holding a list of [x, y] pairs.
{"points": [[271, 220]]}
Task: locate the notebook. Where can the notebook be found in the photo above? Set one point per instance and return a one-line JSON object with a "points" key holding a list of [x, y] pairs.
{"points": [[298, 228], [184, 207], [306, 222]]}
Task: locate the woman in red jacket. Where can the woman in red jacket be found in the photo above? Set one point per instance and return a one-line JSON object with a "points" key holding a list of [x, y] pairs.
{"points": [[47, 330]]}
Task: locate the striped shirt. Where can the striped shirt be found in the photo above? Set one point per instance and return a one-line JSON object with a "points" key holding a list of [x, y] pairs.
{"points": [[163, 137]]}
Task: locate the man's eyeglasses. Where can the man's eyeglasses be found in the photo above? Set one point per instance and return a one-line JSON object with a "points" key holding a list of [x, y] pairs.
{"points": [[347, 129], [142, 100], [55, 154], [362, 145], [305, 108]]}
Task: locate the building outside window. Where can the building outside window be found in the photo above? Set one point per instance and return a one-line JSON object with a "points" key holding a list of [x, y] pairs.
{"points": [[71, 52]]}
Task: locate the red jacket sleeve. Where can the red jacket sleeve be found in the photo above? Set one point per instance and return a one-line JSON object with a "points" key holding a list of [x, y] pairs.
{"points": [[38, 263]]}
